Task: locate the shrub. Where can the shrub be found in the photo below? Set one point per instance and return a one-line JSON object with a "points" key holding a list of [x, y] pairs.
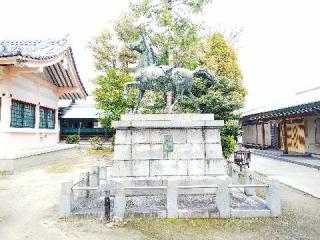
{"points": [[231, 130], [96, 143], [228, 145], [73, 139]]}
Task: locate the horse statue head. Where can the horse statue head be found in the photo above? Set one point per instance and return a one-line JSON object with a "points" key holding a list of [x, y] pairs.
{"points": [[142, 46], [204, 73]]}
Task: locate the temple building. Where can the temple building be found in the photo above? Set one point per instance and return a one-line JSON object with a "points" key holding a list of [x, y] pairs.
{"points": [[34, 75], [292, 126], [81, 117]]}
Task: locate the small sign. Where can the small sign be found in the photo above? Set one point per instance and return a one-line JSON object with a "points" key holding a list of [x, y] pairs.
{"points": [[167, 146]]}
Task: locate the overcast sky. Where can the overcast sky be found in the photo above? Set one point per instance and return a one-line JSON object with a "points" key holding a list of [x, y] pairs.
{"points": [[279, 47]]}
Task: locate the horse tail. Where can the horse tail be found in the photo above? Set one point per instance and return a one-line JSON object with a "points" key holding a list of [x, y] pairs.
{"points": [[204, 73]]}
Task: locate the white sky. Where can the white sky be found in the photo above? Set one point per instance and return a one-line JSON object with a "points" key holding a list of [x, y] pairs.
{"points": [[280, 43]]}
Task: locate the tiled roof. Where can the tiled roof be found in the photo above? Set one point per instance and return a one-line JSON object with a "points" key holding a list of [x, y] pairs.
{"points": [[37, 50], [48, 52], [303, 102], [85, 109]]}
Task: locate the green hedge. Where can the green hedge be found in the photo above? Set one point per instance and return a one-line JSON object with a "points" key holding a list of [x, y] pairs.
{"points": [[228, 145], [73, 139]]}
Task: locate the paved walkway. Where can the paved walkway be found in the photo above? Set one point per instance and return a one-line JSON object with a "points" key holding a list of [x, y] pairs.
{"points": [[307, 161], [303, 178]]}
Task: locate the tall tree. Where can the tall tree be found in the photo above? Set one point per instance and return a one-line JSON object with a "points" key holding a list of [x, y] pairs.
{"points": [[177, 40]]}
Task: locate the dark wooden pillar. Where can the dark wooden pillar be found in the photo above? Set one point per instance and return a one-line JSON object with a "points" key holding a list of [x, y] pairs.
{"points": [[285, 137], [263, 136]]}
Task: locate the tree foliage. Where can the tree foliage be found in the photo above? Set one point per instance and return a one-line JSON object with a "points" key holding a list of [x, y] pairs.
{"points": [[178, 41]]}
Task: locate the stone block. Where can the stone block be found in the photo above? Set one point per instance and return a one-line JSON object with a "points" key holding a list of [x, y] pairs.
{"points": [[123, 137], [245, 213], [141, 151], [172, 199], [197, 151], [179, 135], [103, 173], [166, 117], [197, 191], [249, 191], [214, 167], [140, 136], [130, 168], [66, 199], [213, 151], [168, 168], [195, 136], [83, 181], [223, 199], [157, 135], [195, 167], [94, 176], [235, 177], [212, 136], [122, 152], [156, 151], [182, 151], [190, 213], [273, 199], [119, 201]]}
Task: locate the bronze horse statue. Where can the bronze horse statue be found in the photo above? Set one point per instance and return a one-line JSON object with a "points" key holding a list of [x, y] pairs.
{"points": [[162, 78]]}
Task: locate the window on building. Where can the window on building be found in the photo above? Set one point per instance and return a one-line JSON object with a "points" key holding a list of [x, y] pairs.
{"points": [[47, 118], [22, 114], [317, 138]]}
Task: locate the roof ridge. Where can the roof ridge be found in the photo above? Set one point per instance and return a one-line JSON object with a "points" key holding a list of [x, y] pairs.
{"points": [[308, 90]]}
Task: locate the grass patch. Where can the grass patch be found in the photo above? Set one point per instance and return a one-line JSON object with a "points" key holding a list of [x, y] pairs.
{"points": [[162, 229], [261, 192], [61, 166], [6, 173], [67, 165], [100, 152]]}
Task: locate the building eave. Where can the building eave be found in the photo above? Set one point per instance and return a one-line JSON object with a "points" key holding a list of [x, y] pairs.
{"points": [[57, 62]]}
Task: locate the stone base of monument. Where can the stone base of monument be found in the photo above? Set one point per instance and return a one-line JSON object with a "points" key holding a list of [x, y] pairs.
{"points": [[161, 145], [171, 166]]}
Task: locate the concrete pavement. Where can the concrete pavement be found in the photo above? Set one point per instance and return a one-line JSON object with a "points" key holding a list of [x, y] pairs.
{"points": [[300, 177]]}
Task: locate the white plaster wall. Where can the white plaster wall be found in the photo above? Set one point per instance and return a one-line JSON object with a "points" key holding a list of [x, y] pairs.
{"points": [[310, 145], [267, 129], [30, 88]]}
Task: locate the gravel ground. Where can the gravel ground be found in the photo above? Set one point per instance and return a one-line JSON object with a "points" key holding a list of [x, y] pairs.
{"points": [[29, 204], [29, 210]]}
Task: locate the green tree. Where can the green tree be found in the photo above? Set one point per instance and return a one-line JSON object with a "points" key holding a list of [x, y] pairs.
{"points": [[228, 95], [178, 42], [109, 95]]}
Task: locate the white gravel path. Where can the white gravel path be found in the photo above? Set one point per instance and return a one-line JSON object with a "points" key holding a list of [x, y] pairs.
{"points": [[299, 177]]}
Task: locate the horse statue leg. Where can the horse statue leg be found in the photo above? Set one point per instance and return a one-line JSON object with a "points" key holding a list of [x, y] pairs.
{"points": [[126, 88], [193, 98], [140, 96]]}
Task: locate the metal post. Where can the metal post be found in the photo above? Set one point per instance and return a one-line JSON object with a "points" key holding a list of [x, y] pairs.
{"points": [[87, 181], [107, 208]]}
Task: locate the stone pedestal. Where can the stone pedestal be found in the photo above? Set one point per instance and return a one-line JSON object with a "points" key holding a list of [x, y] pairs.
{"points": [[160, 145]]}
